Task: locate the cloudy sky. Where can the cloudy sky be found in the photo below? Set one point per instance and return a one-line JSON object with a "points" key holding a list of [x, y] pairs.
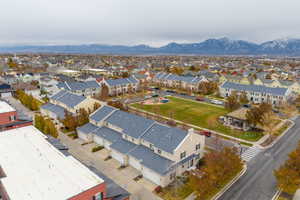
{"points": [[153, 22]]}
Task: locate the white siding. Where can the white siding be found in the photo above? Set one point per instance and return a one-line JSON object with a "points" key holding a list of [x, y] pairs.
{"points": [[118, 156], [134, 163], [98, 140], [152, 176]]}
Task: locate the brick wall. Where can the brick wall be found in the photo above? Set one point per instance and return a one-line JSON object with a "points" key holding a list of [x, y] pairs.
{"points": [[5, 117], [88, 194]]}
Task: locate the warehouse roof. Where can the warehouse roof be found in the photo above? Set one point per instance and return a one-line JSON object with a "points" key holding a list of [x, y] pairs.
{"points": [[5, 107], [62, 176]]}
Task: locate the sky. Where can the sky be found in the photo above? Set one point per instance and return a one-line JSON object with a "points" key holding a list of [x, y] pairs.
{"points": [[151, 22]]}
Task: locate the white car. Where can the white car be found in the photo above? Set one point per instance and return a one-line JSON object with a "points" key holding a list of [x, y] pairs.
{"points": [[217, 102]]}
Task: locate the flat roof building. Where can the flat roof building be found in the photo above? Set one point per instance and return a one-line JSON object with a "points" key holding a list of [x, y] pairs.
{"points": [[31, 168]]}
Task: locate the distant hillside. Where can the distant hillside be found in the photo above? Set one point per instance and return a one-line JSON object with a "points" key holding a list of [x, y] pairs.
{"points": [[223, 46]]}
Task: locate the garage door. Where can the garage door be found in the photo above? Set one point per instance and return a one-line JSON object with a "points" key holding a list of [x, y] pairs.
{"points": [[98, 140], [118, 156], [134, 163], [82, 136], [152, 176]]}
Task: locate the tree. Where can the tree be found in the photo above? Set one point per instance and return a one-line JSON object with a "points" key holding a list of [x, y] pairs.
{"points": [[232, 102], [69, 121], [269, 121], [218, 168], [82, 117], [96, 106], [243, 98], [207, 88], [288, 175], [255, 114], [104, 92]]}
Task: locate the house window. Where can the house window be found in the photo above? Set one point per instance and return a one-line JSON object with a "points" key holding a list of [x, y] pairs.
{"points": [[132, 139], [125, 136], [198, 146], [159, 151], [191, 163], [98, 196], [12, 118], [182, 155], [151, 147], [172, 176]]}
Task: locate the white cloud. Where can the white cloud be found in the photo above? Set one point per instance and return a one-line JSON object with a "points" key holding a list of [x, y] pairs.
{"points": [[142, 21]]}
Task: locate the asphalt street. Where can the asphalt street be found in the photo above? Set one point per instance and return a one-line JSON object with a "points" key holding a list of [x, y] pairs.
{"points": [[259, 183]]}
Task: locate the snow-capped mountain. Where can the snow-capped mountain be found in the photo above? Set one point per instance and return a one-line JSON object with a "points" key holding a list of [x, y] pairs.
{"points": [[222, 46]]}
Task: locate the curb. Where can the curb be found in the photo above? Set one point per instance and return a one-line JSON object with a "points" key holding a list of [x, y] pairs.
{"points": [[235, 179], [278, 138]]}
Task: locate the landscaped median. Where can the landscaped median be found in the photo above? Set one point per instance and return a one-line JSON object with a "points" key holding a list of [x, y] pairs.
{"points": [[200, 114]]}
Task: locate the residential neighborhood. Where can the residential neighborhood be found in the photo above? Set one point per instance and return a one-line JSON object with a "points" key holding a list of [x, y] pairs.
{"points": [[145, 127]]}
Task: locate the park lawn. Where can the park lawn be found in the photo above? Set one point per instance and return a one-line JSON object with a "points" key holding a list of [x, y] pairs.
{"points": [[199, 114]]}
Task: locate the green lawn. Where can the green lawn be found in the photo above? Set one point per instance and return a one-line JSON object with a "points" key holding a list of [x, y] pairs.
{"points": [[199, 114]]}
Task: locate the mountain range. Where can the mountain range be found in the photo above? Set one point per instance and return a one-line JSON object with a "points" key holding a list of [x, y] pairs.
{"points": [[222, 46]]}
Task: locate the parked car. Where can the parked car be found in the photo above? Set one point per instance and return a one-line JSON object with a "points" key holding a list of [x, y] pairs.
{"points": [[206, 133], [148, 97], [183, 93], [217, 102], [200, 98], [170, 91], [155, 95]]}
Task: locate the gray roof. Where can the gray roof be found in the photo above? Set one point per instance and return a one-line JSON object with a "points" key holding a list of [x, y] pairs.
{"points": [[121, 81], [255, 88], [164, 137], [69, 99], [58, 110], [78, 85], [173, 77], [102, 113], [151, 160], [108, 134], [123, 146], [132, 125], [87, 128]]}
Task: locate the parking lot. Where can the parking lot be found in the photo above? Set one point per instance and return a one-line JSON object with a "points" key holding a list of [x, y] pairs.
{"points": [[140, 190]]}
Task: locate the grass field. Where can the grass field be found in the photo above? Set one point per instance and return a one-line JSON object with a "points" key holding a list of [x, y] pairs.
{"points": [[199, 114]]}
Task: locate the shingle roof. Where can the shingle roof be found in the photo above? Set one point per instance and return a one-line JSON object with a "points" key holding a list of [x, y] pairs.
{"points": [[108, 134], [121, 81], [131, 124], [164, 137], [87, 128], [173, 77], [102, 113], [69, 99], [151, 160], [72, 86], [123, 146], [57, 110], [255, 88]]}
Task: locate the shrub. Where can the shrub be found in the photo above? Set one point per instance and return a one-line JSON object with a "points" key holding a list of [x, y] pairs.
{"points": [[97, 148], [73, 135]]}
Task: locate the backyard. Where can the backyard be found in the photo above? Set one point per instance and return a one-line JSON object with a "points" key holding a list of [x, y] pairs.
{"points": [[199, 114]]}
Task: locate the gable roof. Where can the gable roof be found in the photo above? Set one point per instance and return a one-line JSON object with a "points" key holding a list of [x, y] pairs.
{"points": [[121, 81], [151, 160], [173, 77], [132, 125], [164, 137], [77, 85], [57, 110], [102, 113], [255, 88], [69, 99]]}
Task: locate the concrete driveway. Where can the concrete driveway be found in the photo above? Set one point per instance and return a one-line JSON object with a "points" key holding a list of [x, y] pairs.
{"points": [[141, 190]]}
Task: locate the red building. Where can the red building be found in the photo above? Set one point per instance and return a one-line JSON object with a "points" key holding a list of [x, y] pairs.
{"points": [[9, 118]]}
